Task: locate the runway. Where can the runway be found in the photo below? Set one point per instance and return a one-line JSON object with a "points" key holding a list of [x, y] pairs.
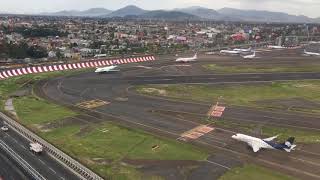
{"points": [[172, 118]]}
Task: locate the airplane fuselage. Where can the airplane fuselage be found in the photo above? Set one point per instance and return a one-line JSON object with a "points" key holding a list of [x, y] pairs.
{"points": [[276, 47], [243, 50], [257, 143], [229, 52], [311, 53], [185, 60], [253, 140], [106, 69]]}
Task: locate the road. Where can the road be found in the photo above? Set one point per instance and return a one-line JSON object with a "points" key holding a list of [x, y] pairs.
{"points": [[44, 164]]}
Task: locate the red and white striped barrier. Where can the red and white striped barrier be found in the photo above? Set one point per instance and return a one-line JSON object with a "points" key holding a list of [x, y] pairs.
{"points": [[62, 67]]}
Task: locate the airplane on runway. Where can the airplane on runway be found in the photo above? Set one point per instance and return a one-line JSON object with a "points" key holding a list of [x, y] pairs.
{"points": [[233, 52], [190, 59], [244, 50], [276, 47], [251, 56], [107, 69], [314, 42], [268, 143], [311, 53]]}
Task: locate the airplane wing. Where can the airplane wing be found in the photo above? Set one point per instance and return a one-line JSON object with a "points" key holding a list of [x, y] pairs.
{"points": [[255, 147], [271, 138]]}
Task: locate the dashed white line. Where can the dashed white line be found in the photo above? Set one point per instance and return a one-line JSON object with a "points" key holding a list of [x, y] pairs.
{"points": [[218, 164], [23, 147], [52, 170], [42, 162]]}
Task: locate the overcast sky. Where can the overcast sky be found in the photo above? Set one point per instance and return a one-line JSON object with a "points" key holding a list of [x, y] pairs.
{"points": [[297, 7]]}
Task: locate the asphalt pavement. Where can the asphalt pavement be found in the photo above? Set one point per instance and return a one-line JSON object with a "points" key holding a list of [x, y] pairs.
{"points": [[44, 164], [141, 111]]}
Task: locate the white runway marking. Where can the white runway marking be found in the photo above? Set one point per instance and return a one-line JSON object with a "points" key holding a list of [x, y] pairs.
{"points": [[42, 162], [52, 170], [219, 164]]}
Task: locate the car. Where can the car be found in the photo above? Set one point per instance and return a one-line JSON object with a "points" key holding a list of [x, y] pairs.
{"points": [[4, 128]]}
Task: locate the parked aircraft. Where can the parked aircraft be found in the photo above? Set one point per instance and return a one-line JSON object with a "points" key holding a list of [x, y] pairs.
{"points": [[314, 42], [244, 50], [190, 59], [276, 47], [107, 69], [268, 143], [311, 53], [250, 56], [230, 52]]}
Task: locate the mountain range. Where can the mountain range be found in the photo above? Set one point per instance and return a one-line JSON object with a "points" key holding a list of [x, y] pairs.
{"points": [[191, 13], [93, 12]]}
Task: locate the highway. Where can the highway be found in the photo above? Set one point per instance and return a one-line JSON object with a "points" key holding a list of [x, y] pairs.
{"points": [[43, 164], [9, 169]]}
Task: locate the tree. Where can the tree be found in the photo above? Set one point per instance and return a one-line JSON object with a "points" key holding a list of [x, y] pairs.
{"points": [[37, 52], [59, 54]]}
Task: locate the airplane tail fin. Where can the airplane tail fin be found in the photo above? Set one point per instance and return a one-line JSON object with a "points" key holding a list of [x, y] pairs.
{"points": [[195, 56], [289, 144]]}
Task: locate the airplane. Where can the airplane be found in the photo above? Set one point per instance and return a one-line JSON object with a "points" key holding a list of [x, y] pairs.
{"points": [[244, 50], [190, 59], [251, 56], [107, 69], [268, 143], [314, 42], [276, 47], [311, 53], [230, 52], [210, 53]]}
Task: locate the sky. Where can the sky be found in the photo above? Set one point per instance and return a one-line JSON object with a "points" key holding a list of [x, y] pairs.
{"points": [[297, 7]]}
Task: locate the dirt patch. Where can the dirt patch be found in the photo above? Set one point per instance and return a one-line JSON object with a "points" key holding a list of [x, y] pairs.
{"points": [[122, 99], [169, 170], [184, 169], [21, 93], [160, 92], [62, 123], [100, 161], [84, 131], [42, 128]]}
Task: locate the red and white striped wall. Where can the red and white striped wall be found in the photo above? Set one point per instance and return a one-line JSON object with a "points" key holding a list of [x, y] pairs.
{"points": [[79, 65]]}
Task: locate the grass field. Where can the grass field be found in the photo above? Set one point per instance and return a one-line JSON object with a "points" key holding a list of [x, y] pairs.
{"points": [[11, 85], [99, 146], [301, 136], [96, 144], [33, 111], [264, 68], [254, 172], [112, 143], [244, 95]]}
